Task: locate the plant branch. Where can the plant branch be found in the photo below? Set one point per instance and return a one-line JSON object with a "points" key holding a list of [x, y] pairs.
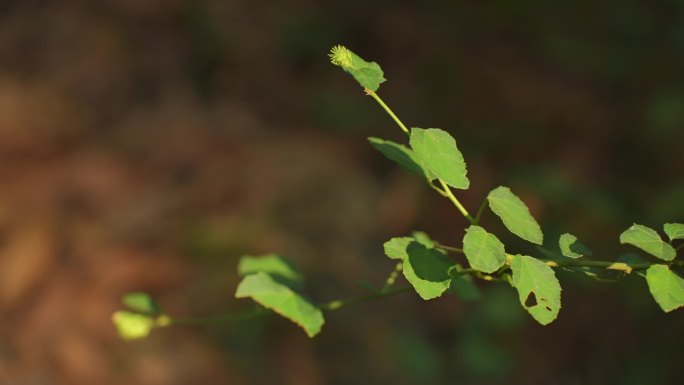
{"points": [[608, 265], [448, 248], [445, 190], [480, 211], [375, 96], [219, 318], [340, 303], [459, 206]]}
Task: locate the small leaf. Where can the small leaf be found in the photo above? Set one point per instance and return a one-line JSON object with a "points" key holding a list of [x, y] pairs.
{"points": [[571, 247], [674, 230], [436, 152], [483, 250], [423, 238], [132, 326], [271, 294], [427, 270], [275, 265], [538, 288], [140, 302], [367, 74], [515, 215], [395, 248], [666, 287], [400, 154], [649, 241]]}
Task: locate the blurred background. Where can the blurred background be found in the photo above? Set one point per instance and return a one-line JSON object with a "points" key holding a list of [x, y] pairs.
{"points": [[146, 145]]}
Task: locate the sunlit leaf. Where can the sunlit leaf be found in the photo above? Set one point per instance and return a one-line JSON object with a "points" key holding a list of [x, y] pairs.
{"points": [[423, 238], [674, 230], [483, 250], [571, 247], [427, 270], [649, 241], [515, 215], [538, 288], [395, 248], [275, 265], [666, 287], [273, 295], [436, 152], [132, 326]]}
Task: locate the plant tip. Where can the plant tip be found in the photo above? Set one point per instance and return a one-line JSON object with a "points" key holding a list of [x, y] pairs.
{"points": [[341, 56]]}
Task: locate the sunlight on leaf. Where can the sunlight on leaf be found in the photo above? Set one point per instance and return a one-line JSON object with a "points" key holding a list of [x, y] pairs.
{"points": [[483, 250], [272, 294], [436, 151], [649, 241], [538, 288], [571, 247], [278, 267], [132, 326], [674, 230], [515, 215], [666, 287]]}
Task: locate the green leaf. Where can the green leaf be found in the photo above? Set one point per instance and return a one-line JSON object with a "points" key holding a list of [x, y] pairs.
{"points": [[674, 231], [395, 248], [666, 287], [423, 238], [132, 326], [463, 286], [649, 241], [538, 288], [275, 265], [436, 151], [483, 250], [400, 154], [515, 215], [140, 302], [571, 247], [427, 270], [367, 74], [272, 294]]}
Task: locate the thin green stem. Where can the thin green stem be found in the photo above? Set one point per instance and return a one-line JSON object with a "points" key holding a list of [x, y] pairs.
{"points": [[456, 202], [448, 248], [260, 311], [608, 265], [219, 318], [446, 191], [388, 291], [340, 303], [439, 190], [480, 211], [375, 96]]}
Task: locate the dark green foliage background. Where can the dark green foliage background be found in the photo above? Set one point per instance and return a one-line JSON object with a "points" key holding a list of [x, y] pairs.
{"points": [[241, 138]]}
